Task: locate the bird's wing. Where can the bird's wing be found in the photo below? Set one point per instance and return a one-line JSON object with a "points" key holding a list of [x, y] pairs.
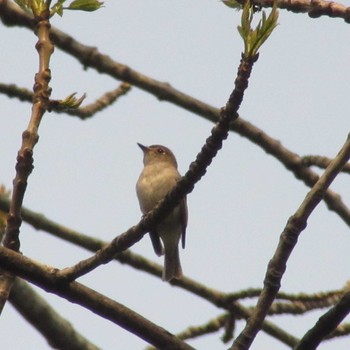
{"points": [[184, 219], [156, 243]]}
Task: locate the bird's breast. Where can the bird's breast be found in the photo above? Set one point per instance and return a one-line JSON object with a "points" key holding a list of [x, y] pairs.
{"points": [[154, 183]]}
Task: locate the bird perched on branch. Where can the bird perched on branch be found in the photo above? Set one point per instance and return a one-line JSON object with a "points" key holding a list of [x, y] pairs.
{"points": [[157, 178]]}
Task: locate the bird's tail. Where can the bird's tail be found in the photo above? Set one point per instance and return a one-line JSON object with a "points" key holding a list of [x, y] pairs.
{"points": [[172, 266]]}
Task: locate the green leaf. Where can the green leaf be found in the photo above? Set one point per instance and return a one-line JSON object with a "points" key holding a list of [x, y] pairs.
{"points": [[57, 8], [71, 102], [232, 3], [37, 7], [254, 38], [85, 5]]}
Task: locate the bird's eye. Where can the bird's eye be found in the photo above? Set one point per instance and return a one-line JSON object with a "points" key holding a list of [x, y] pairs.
{"points": [[160, 151]]}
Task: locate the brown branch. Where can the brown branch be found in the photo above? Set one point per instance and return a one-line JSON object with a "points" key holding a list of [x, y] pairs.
{"points": [[30, 137], [341, 331], [90, 57], [58, 332], [322, 162], [299, 307], [277, 265], [302, 303], [211, 326], [107, 99], [99, 105], [293, 162], [221, 300], [46, 278], [325, 325], [268, 327], [314, 8], [302, 297], [14, 91], [330, 296]]}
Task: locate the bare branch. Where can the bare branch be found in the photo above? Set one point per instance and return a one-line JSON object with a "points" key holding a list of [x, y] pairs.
{"points": [[322, 162], [314, 8], [220, 299], [12, 90], [59, 332], [289, 237], [45, 277], [99, 105], [325, 325], [341, 331], [107, 99], [30, 137]]}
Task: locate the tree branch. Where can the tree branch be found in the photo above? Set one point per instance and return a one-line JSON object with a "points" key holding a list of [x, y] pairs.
{"points": [[314, 8], [322, 162], [325, 325], [58, 332], [289, 237], [220, 299], [30, 137], [45, 277]]}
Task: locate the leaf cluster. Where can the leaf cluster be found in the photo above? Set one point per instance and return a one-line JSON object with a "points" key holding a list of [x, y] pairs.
{"points": [[254, 38], [37, 7]]}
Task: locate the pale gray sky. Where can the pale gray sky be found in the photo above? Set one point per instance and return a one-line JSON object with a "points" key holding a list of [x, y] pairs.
{"points": [[85, 172]]}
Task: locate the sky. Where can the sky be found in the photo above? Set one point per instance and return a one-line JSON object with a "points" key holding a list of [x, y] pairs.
{"points": [[85, 171]]}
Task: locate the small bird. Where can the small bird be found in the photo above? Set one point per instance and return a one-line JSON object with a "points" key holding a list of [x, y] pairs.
{"points": [[157, 178]]}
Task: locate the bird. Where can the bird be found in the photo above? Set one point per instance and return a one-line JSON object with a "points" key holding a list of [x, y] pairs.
{"points": [[158, 177]]}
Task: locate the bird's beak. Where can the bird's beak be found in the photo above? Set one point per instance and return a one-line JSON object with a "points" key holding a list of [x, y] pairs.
{"points": [[144, 148]]}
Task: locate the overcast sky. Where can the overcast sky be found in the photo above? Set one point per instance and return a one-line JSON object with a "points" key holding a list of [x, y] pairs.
{"points": [[85, 171]]}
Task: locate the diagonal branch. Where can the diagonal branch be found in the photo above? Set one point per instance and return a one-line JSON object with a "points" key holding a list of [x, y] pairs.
{"points": [[221, 300], [289, 237], [45, 278], [58, 332], [325, 325]]}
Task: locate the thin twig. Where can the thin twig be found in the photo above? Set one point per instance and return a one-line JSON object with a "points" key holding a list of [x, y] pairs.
{"points": [[341, 331], [322, 162], [192, 332], [12, 90], [107, 99]]}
